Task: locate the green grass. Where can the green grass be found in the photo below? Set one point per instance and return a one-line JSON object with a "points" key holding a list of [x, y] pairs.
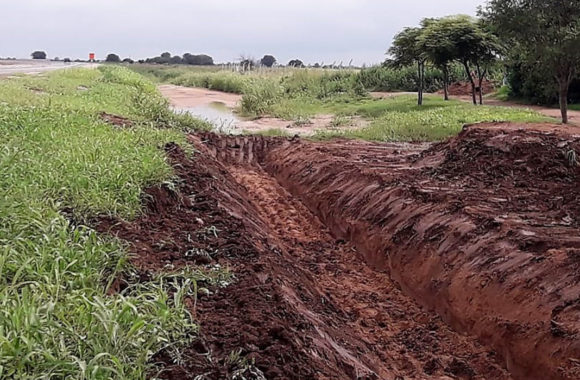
{"points": [[301, 94], [400, 119], [56, 319], [574, 107]]}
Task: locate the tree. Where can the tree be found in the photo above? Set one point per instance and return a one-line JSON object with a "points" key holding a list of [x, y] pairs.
{"points": [[38, 55], [113, 58], [406, 51], [296, 63], [128, 60], [198, 60], [439, 48], [475, 47], [268, 61], [166, 55], [546, 32], [175, 60]]}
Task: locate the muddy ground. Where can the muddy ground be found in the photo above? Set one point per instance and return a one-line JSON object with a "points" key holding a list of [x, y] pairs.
{"points": [[355, 260], [204, 104]]}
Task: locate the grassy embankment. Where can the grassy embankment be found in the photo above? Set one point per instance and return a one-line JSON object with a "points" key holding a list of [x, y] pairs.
{"points": [[60, 163], [298, 94]]}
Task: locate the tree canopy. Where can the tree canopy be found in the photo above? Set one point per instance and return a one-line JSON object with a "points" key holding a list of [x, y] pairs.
{"points": [[114, 58], [545, 33], [440, 42], [268, 61], [296, 63], [406, 51], [38, 55]]}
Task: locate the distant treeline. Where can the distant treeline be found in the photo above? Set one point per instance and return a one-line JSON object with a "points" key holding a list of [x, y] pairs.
{"points": [[186, 59]]}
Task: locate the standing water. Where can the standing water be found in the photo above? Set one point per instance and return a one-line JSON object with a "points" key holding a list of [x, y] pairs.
{"points": [[217, 114]]}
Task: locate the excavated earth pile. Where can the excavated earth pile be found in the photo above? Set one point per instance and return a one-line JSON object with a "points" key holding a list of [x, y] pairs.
{"points": [[355, 260]]}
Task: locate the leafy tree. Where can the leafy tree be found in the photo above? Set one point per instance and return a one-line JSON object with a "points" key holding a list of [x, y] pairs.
{"points": [[128, 60], [296, 63], [175, 60], [268, 61], [198, 60], [476, 48], [113, 58], [38, 55], [166, 55], [545, 32], [439, 48], [406, 51]]}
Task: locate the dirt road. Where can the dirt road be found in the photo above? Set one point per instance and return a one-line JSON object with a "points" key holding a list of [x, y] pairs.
{"points": [[9, 67], [358, 260]]}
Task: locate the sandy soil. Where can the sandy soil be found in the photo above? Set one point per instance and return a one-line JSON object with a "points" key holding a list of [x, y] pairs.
{"points": [[183, 98], [358, 260], [189, 97]]}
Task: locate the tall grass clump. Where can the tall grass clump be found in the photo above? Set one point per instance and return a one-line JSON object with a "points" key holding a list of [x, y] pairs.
{"points": [[388, 79], [61, 166]]}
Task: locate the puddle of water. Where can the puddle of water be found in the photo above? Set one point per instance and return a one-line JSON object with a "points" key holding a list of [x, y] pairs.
{"points": [[218, 115]]}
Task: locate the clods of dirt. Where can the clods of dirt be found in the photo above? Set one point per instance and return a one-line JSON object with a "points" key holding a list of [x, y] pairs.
{"points": [[464, 88], [116, 120]]}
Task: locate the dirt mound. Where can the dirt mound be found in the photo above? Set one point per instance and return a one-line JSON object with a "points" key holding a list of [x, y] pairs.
{"points": [[482, 229], [464, 88]]}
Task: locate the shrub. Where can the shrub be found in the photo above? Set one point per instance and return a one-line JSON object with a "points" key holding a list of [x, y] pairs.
{"points": [[381, 78], [113, 58]]}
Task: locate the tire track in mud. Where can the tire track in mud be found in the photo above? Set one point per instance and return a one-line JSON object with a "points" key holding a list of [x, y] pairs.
{"points": [[360, 314]]}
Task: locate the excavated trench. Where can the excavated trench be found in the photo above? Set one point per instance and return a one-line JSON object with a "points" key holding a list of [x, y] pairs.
{"points": [[358, 260], [481, 229]]}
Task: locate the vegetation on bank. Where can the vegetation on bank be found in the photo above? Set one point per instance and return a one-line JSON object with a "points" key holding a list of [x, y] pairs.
{"points": [[300, 94], [401, 119], [61, 166]]}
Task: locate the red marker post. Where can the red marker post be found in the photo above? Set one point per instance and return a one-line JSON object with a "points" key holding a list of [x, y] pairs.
{"points": [[91, 57]]}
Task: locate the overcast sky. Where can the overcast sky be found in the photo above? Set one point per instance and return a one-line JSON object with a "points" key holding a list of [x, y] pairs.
{"points": [[311, 30]]}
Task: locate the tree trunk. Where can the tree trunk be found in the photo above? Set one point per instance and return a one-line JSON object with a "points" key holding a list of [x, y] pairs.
{"points": [[468, 72], [480, 78], [564, 85], [420, 83], [446, 82]]}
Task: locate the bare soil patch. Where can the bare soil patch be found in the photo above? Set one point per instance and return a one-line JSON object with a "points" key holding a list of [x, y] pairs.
{"points": [[187, 98], [116, 120]]}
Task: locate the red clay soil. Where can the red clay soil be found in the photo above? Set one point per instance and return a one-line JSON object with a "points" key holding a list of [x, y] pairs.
{"points": [[464, 88], [335, 246], [484, 229]]}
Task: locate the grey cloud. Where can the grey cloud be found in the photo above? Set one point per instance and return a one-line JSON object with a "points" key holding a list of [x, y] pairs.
{"points": [[315, 30]]}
